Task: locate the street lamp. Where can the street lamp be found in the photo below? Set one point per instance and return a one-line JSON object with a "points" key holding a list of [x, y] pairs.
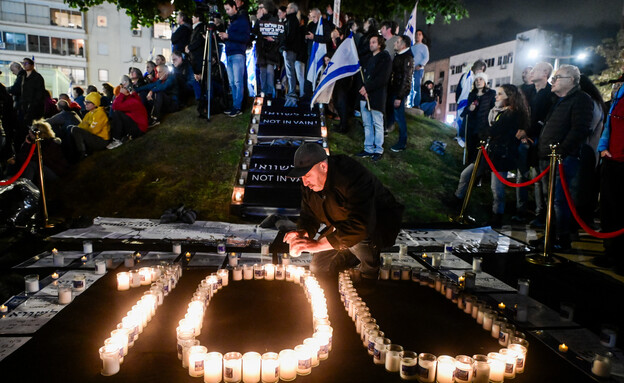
{"points": [[535, 53]]}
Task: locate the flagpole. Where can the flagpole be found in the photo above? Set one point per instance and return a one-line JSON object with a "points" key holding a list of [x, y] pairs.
{"points": [[367, 100]]}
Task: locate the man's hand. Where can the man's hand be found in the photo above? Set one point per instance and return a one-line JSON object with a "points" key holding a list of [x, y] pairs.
{"points": [[295, 234], [606, 153], [197, 77], [223, 35], [269, 38], [397, 103], [521, 134], [309, 36], [150, 95], [363, 91]]}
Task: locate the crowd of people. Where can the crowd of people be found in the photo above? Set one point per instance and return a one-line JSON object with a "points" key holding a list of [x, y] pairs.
{"points": [[519, 123]]}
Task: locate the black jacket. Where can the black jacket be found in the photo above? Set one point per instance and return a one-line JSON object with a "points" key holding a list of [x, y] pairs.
{"points": [[539, 105], [478, 119], [32, 97], [568, 124], [181, 37], [376, 76], [293, 39], [503, 144], [196, 48], [322, 39], [401, 76], [268, 52], [354, 205]]}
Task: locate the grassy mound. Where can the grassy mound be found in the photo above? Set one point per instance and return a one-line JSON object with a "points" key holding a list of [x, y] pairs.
{"points": [[188, 160]]}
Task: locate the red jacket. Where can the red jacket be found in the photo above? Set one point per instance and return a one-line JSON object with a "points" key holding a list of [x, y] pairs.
{"points": [[133, 107]]}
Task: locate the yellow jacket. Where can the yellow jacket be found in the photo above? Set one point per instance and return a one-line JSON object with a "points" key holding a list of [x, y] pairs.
{"points": [[96, 122]]}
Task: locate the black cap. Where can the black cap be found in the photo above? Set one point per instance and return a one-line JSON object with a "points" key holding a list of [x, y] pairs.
{"points": [[308, 155]]}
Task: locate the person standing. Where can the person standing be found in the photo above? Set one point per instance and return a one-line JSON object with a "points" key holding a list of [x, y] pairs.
{"points": [[400, 85], [568, 125], [236, 39], [268, 32], [387, 31], [32, 94], [181, 37], [373, 94], [420, 51], [291, 46], [360, 215], [464, 87]]}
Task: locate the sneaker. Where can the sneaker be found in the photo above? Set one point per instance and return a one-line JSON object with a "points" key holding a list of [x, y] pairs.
{"points": [[364, 154], [228, 112], [396, 148], [236, 112], [115, 143], [377, 156], [154, 122]]}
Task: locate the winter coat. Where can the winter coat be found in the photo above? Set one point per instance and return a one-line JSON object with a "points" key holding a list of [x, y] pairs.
{"points": [[376, 76], [196, 48], [503, 144], [132, 106], [181, 37], [96, 122], [401, 77], [238, 35], [268, 52], [32, 97]]}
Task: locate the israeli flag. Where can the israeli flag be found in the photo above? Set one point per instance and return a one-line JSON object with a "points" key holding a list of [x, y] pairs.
{"points": [[462, 101], [250, 62], [344, 63], [319, 50], [410, 28]]}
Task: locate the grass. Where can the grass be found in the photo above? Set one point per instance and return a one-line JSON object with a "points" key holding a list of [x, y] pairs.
{"points": [[188, 160]]}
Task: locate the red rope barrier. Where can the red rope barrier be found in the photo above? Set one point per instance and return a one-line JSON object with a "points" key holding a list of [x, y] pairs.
{"points": [[588, 229], [19, 173], [512, 184]]}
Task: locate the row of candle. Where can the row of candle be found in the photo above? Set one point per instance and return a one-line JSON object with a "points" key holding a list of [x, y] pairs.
{"points": [[131, 326], [493, 367], [252, 367], [144, 276]]}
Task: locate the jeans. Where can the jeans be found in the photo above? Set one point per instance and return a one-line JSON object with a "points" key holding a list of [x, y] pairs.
{"points": [[415, 94], [399, 117], [428, 108], [563, 215], [235, 71], [373, 129], [498, 193], [300, 70], [291, 73], [331, 261], [464, 179], [522, 194], [267, 79]]}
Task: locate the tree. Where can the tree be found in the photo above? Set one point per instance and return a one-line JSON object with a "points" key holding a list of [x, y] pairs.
{"points": [[613, 51], [447, 9]]}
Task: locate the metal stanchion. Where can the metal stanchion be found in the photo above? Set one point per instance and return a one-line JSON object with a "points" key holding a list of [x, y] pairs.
{"points": [[545, 259], [47, 224], [473, 177]]}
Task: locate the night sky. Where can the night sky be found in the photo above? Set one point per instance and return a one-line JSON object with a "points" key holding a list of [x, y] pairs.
{"points": [[493, 22]]}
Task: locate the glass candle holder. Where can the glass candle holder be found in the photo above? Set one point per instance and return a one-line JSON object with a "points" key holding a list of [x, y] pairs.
{"points": [[270, 367], [476, 264], [247, 272], [186, 347], [251, 367], [237, 273], [269, 271], [488, 318], [464, 369], [120, 336], [496, 327], [408, 367], [100, 266], [481, 369], [384, 273], [601, 365], [110, 355], [379, 352], [506, 332], [221, 247], [58, 259], [497, 367], [523, 286], [415, 274], [314, 350], [213, 367], [287, 365], [395, 273], [426, 368], [258, 271], [232, 367], [129, 260], [304, 359], [386, 259], [135, 278], [224, 274], [64, 294], [197, 355], [31, 283], [446, 368], [232, 259], [280, 273], [402, 250], [394, 353], [145, 273], [521, 352], [370, 335], [323, 339], [87, 247], [510, 358]]}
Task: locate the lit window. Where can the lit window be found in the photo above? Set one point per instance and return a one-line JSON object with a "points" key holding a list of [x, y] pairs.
{"points": [[103, 75]]}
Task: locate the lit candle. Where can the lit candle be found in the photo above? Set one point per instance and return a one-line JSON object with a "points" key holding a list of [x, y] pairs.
{"points": [[287, 365], [258, 271], [501, 306], [213, 367], [145, 274], [314, 350], [464, 369], [232, 258], [237, 273], [55, 275], [304, 359], [64, 295], [110, 359], [57, 258], [446, 368], [224, 275], [270, 367], [481, 369], [269, 271], [497, 367], [563, 347], [4, 309], [135, 278], [197, 354], [232, 362], [186, 351], [120, 336], [510, 358], [123, 281], [521, 352], [251, 367], [247, 272], [83, 258], [393, 358]]}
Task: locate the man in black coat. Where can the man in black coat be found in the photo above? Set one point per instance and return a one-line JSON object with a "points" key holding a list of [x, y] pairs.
{"points": [[32, 94], [399, 89], [311, 37], [373, 98], [568, 124], [291, 46], [360, 215], [196, 46], [268, 32], [181, 37]]}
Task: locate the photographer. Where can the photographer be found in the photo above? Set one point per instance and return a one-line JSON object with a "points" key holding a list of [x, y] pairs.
{"points": [[128, 116]]}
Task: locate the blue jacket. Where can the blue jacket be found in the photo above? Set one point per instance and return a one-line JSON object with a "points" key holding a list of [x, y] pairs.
{"points": [[238, 36], [603, 144], [169, 86]]}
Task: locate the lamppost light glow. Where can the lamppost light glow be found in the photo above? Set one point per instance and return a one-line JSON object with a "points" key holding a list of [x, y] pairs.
{"points": [[533, 53], [581, 56]]}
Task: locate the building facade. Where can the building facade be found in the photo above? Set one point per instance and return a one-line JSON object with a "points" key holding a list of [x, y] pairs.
{"points": [[438, 73]]}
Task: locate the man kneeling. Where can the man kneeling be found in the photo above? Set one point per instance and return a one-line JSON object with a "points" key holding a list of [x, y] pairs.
{"points": [[360, 215]]}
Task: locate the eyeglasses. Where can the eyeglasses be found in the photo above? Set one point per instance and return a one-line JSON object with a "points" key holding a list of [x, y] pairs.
{"points": [[557, 77]]}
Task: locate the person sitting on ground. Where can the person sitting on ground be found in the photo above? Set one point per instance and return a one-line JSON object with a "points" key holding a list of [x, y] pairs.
{"points": [[137, 82], [92, 88], [128, 116], [54, 163], [150, 74], [108, 94], [79, 98], [427, 98], [73, 105], [93, 133], [163, 95], [61, 124], [160, 59], [49, 105], [183, 71]]}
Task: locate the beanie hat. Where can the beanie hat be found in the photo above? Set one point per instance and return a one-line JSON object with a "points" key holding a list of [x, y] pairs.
{"points": [[483, 76], [94, 98]]}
